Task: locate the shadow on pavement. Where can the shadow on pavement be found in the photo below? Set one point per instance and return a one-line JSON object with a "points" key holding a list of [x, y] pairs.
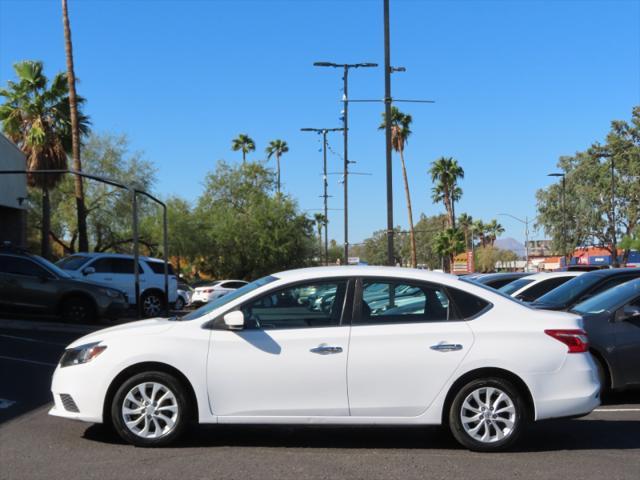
{"points": [[546, 436]]}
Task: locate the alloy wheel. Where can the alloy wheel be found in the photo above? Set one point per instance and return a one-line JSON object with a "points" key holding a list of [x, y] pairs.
{"points": [[150, 410], [488, 414]]}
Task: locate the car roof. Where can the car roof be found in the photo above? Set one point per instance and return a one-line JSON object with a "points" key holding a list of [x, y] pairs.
{"points": [[612, 272], [545, 275], [367, 270], [115, 255]]}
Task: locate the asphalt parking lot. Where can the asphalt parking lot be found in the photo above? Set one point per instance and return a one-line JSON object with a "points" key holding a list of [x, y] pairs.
{"points": [[605, 444]]}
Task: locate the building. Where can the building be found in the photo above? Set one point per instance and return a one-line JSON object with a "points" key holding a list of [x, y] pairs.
{"points": [[13, 195]]}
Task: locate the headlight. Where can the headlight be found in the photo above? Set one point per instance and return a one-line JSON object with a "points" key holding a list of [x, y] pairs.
{"points": [[81, 354], [111, 293]]}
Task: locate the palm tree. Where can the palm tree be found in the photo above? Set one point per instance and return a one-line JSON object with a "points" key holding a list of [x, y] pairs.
{"points": [[479, 230], [83, 241], [321, 222], [244, 143], [448, 244], [36, 117], [445, 173], [277, 148], [466, 223], [400, 131], [494, 229]]}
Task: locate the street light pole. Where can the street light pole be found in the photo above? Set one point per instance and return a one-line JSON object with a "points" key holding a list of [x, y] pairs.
{"points": [[387, 134], [525, 222], [325, 195], [345, 121], [564, 212]]}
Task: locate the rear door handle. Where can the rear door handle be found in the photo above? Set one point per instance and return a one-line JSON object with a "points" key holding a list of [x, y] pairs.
{"points": [[446, 347], [326, 349]]}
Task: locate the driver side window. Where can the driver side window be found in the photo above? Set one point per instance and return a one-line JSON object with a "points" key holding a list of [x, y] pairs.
{"points": [[317, 304]]}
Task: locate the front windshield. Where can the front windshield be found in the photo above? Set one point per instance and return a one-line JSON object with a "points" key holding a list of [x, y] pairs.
{"points": [[565, 293], [73, 262], [609, 300], [53, 267], [221, 301], [514, 286]]}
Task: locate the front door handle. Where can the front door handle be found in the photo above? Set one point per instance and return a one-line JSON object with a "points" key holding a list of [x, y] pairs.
{"points": [[446, 347], [325, 349]]}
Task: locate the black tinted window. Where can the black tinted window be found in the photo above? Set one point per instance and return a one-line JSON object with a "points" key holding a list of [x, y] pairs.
{"points": [[74, 262], [22, 266], [115, 265], [302, 306], [612, 282], [391, 302], [467, 304], [158, 267], [234, 284], [540, 288]]}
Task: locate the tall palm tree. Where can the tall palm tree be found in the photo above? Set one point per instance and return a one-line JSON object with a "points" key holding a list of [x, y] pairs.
{"points": [[465, 222], [83, 240], [36, 117], [400, 132], [277, 148], [445, 173], [448, 243], [479, 230], [321, 223], [494, 229], [244, 143]]}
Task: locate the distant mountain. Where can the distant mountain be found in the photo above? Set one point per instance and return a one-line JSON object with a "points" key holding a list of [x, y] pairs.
{"points": [[511, 244]]}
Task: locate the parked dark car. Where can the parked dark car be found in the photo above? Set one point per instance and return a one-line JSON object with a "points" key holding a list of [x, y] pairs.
{"points": [[612, 322], [585, 286], [497, 280], [30, 284]]}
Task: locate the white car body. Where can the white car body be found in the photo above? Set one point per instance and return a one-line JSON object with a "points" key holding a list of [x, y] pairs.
{"points": [[526, 288], [384, 373], [206, 293], [95, 268]]}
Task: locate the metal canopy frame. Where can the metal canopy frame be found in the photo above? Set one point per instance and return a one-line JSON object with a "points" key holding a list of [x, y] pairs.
{"points": [[134, 202]]}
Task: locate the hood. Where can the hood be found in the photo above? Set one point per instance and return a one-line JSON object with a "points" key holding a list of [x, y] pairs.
{"points": [[151, 326]]}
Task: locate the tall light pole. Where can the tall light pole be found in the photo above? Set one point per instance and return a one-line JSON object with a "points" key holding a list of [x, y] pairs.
{"points": [[525, 222], [345, 122], [387, 133], [564, 213], [325, 195]]}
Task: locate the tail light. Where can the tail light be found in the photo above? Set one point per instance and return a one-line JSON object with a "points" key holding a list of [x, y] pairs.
{"points": [[209, 290], [576, 340]]}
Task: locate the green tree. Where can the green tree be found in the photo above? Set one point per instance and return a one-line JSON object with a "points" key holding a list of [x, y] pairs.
{"points": [[400, 132], [243, 143], [493, 230], [36, 116], [445, 173], [448, 244], [465, 221], [277, 148], [247, 232]]}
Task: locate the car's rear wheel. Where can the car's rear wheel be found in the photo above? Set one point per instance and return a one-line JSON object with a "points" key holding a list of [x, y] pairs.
{"points": [[78, 310], [152, 304], [150, 409], [487, 414], [179, 305]]}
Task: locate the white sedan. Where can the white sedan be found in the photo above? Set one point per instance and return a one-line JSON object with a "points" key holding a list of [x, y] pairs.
{"points": [[457, 354], [213, 290]]}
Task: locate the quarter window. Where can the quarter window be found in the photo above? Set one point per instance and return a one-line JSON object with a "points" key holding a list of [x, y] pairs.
{"points": [[391, 302], [301, 306]]}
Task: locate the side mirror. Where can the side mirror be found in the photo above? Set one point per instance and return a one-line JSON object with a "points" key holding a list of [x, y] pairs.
{"points": [[629, 312], [88, 271], [234, 320]]}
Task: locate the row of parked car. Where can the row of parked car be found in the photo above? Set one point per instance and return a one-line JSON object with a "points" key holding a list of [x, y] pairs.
{"points": [[86, 287], [608, 302]]}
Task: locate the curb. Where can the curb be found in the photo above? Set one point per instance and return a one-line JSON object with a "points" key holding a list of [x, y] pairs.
{"points": [[32, 325]]}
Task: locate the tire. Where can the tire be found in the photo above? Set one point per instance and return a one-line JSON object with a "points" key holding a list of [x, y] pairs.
{"points": [[179, 305], [491, 431], [152, 304], [78, 310], [157, 421]]}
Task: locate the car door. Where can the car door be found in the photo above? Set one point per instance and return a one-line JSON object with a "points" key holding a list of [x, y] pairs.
{"points": [[627, 335], [289, 360], [405, 344], [116, 273], [27, 286]]}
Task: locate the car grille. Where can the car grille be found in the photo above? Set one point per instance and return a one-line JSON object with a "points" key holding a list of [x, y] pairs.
{"points": [[68, 403]]}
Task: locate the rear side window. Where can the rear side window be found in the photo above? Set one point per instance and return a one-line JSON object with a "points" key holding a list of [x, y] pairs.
{"points": [[540, 288], [617, 280], [22, 266], [115, 265], [158, 267], [468, 305], [234, 284]]}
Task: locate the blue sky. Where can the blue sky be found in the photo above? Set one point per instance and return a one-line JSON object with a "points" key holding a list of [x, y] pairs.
{"points": [[516, 85]]}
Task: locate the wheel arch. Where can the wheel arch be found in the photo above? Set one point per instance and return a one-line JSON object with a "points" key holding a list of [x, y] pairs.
{"points": [[608, 371], [76, 294], [485, 373], [142, 367]]}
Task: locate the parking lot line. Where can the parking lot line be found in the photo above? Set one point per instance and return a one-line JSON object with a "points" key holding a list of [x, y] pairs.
{"points": [[35, 340], [617, 410], [24, 360]]}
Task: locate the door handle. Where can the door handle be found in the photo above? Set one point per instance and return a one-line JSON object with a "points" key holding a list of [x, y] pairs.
{"points": [[324, 349], [446, 347]]}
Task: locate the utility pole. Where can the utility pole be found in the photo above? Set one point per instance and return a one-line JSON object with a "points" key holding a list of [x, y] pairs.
{"points": [[525, 222], [614, 246], [387, 134], [564, 212], [325, 195], [345, 121]]}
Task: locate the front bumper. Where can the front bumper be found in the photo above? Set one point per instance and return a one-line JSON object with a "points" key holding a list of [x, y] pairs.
{"points": [[80, 384]]}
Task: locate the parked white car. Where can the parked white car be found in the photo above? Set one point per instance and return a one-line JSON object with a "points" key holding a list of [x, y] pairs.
{"points": [[217, 289], [532, 287], [185, 293], [470, 358], [116, 270]]}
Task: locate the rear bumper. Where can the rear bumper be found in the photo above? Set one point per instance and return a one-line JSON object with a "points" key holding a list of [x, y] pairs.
{"points": [[572, 391]]}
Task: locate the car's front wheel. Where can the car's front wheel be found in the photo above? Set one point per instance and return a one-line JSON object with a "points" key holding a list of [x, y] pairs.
{"points": [[152, 304], [78, 310], [487, 414], [150, 409], [179, 305]]}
